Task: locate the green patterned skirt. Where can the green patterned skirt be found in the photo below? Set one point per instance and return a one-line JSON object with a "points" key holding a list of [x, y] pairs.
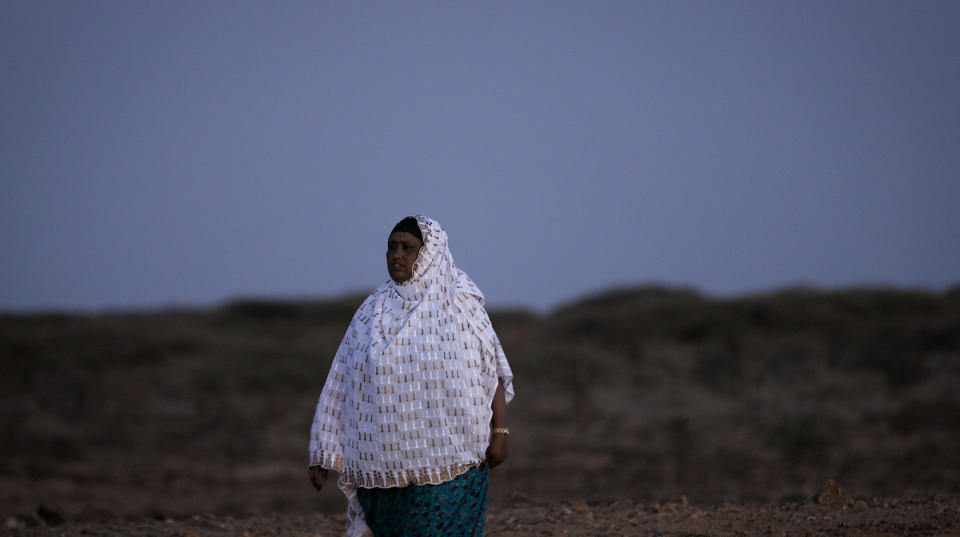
{"points": [[456, 508]]}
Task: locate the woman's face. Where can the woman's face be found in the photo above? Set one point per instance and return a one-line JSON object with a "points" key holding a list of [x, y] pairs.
{"points": [[402, 250]]}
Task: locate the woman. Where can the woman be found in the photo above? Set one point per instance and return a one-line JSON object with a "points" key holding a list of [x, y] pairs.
{"points": [[413, 412]]}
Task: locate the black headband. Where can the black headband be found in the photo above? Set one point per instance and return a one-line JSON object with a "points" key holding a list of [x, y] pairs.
{"points": [[409, 225]]}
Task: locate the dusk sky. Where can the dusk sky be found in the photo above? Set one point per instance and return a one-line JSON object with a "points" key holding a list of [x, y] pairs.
{"points": [[176, 153]]}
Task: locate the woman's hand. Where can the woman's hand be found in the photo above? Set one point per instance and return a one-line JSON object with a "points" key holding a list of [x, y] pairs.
{"points": [[316, 474], [497, 451]]}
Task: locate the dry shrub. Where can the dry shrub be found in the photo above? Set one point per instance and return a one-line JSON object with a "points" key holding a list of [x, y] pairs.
{"points": [[658, 390]]}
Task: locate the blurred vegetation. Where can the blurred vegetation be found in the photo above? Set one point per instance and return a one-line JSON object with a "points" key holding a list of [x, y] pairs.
{"points": [[659, 391]]}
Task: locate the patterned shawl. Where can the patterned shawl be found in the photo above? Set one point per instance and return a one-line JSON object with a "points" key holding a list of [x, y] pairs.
{"points": [[407, 400]]}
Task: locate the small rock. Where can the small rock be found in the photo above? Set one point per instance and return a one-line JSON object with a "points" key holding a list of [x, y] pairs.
{"points": [[22, 521], [50, 515], [832, 493], [668, 507], [580, 505]]}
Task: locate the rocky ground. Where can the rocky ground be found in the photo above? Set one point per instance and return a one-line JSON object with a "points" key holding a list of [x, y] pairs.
{"points": [[907, 516]]}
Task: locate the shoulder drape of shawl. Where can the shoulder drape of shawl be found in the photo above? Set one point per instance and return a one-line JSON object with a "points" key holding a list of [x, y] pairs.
{"points": [[408, 396]]}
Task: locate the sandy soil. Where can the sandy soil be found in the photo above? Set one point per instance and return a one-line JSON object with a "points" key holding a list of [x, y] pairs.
{"points": [[912, 516]]}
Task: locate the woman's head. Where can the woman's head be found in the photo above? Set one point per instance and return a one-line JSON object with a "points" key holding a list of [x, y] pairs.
{"points": [[403, 245]]}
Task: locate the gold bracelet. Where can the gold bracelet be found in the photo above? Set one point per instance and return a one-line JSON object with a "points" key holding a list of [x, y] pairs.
{"points": [[501, 430]]}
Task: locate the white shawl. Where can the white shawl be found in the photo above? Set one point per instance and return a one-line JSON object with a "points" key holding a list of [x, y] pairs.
{"points": [[407, 400]]}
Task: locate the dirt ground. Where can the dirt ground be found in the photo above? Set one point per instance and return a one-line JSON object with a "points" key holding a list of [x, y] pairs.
{"points": [[643, 412], [911, 516]]}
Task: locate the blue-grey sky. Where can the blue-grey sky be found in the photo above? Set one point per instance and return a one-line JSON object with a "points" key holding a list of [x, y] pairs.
{"points": [[184, 153]]}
